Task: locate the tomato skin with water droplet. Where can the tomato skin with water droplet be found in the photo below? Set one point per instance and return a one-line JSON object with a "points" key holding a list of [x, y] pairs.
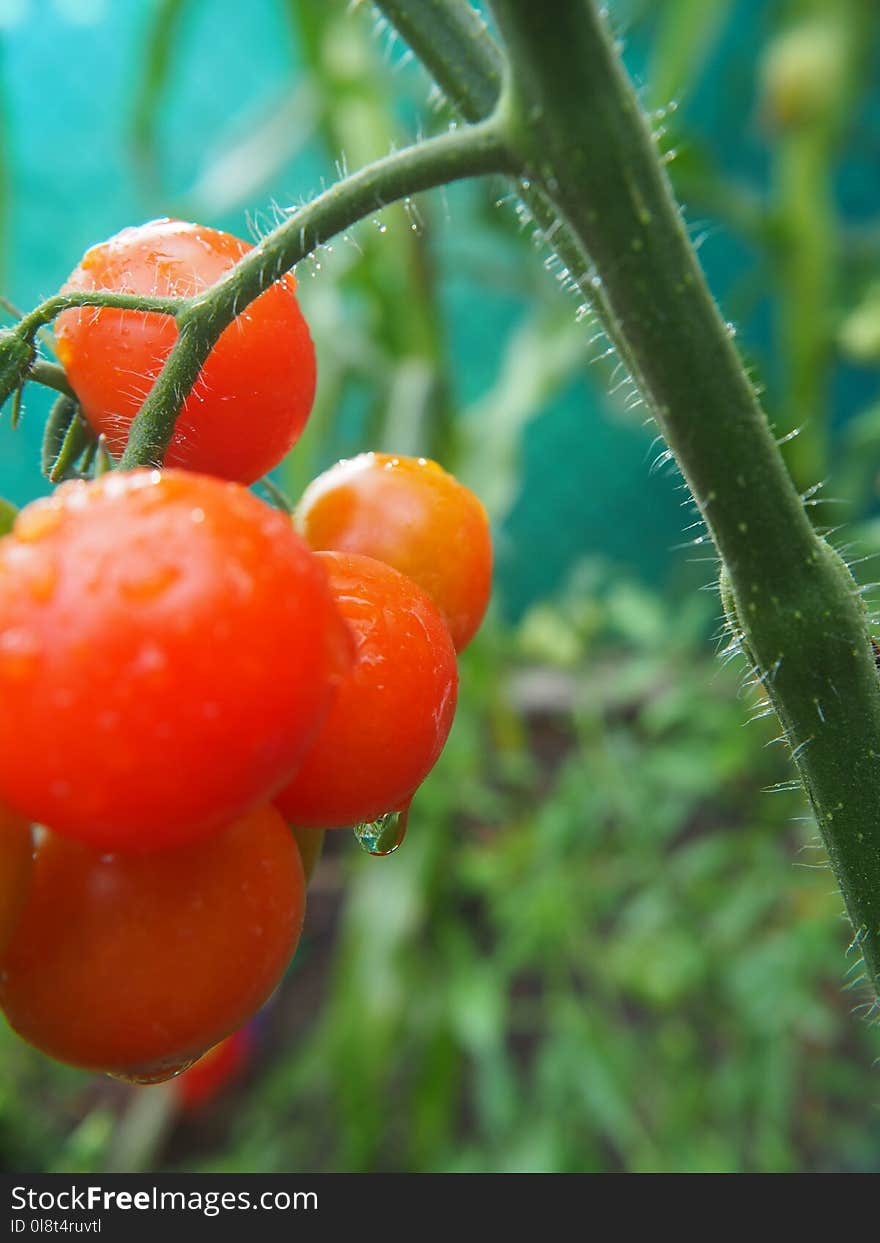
{"points": [[136, 963], [413, 515], [16, 856], [393, 711], [256, 389], [168, 648]]}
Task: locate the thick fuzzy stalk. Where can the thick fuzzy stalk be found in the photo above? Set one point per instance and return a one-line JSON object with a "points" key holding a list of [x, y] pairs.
{"points": [[572, 116]]}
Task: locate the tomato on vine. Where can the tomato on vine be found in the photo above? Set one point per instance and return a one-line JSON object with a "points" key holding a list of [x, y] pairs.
{"points": [[254, 394], [412, 514], [393, 711], [168, 647], [136, 964]]}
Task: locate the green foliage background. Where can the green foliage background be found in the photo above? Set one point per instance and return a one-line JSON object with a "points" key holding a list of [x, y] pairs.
{"points": [[604, 945]]}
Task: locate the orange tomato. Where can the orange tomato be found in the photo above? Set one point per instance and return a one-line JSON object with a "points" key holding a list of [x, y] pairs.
{"points": [[411, 514]]}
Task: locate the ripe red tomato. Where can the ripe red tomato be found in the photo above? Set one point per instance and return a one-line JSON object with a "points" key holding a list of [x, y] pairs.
{"points": [[207, 1077], [256, 389], [137, 963], [409, 513], [168, 647], [392, 712], [16, 854]]}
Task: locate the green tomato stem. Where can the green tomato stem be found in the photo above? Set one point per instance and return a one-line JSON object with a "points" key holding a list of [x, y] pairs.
{"points": [[574, 118], [47, 311], [50, 375], [454, 44], [467, 152]]}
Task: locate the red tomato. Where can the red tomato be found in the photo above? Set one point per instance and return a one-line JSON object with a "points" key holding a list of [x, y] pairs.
{"points": [[16, 854], [256, 389], [409, 513], [168, 647], [207, 1077], [392, 713], [137, 963]]}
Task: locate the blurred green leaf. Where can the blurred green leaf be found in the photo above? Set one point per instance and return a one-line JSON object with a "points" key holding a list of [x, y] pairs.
{"points": [[8, 513], [686, 32], [157, 66]]}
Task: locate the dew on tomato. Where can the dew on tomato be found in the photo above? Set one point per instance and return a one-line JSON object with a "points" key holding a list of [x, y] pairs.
{"points": [[177, 670], [393, 710], [384, 835]]}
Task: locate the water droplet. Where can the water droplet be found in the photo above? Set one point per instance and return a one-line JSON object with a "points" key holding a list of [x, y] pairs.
{"points": [[149, 1078], [150, 659], [383, 836]]}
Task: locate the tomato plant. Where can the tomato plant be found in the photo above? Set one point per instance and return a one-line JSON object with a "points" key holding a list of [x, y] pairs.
{"points": [[412, 514], [168, 646], [138, 963], [255, 391], [393, 710]]}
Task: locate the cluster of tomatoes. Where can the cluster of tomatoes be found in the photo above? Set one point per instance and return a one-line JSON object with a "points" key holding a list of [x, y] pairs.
{"points": [[194, 685]]}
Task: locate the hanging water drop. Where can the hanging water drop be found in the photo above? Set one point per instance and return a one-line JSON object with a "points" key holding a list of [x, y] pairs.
{"points": [[150, 1078], [384, 835]]}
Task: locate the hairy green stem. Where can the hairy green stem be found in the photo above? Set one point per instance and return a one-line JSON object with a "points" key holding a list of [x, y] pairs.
{"points": [[452, 42], [50, 375], [47, 311], [466, 152], [574, 119], [455, 46]]}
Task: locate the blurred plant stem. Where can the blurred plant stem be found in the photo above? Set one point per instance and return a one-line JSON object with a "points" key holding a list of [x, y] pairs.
{"points": [[811, 74], [142, 1129], [686, 31], [160, 41], [394, 276]]}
